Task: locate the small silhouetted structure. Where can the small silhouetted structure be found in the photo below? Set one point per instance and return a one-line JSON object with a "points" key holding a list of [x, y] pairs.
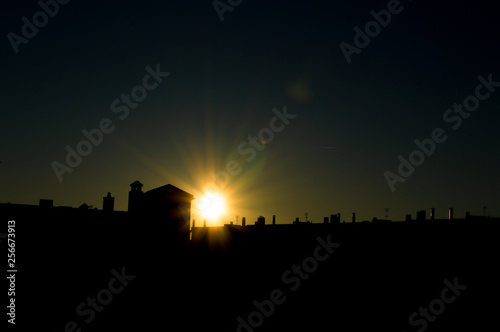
{"points": [[353, 217], [335, 218], [46, 203], [135, 197], [450, 214], [421, 215], [84, 206], [108, 203]]}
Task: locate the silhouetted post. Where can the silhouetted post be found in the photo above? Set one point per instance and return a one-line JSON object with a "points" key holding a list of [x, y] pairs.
{"points": [[450, 214], [274, 219], [433, 213], [243, 221], [353, 217], [332, 218]]}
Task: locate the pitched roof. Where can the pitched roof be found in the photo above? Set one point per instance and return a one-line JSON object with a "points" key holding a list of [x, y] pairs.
{"points": [[169, 190]]}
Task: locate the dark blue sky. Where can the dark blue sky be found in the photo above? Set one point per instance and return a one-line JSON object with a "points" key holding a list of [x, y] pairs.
{"points": [[225, 79]]}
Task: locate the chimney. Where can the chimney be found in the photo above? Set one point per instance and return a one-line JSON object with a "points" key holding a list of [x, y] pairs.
{"points": [[353, 217], [421, 215], [433, 212], [243, 221], [274, 219], [325, 220], [450, 214], [135, 197], [408, 217], [108, 203]]}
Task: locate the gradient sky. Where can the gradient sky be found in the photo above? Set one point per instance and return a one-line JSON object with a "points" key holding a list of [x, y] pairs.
{"points": [[225, 79]]}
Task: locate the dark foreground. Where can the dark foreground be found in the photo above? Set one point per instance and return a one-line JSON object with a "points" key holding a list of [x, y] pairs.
{"points": [[123, 274]]}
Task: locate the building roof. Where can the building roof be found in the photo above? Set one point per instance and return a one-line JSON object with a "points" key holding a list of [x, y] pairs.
{"points": [[136, 184], [169, 190]]}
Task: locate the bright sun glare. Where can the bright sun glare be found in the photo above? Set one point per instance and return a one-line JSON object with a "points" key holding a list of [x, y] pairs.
{"points": [[212, 206]]}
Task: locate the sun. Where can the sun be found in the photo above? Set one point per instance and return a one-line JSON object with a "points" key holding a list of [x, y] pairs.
{"points": [[212, 206]]}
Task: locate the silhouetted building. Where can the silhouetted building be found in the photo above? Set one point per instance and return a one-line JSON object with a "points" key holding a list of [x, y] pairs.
{"points": [[171, 206], [421, 215], [167, 205]]}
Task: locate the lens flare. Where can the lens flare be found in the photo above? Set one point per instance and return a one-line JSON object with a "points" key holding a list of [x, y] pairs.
{"points": [[212, 206]]}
